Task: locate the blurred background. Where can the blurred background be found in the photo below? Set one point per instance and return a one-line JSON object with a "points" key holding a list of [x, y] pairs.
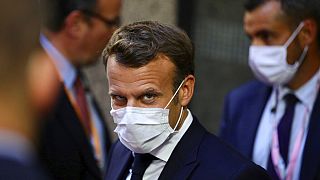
{"points": [[215, 27]]}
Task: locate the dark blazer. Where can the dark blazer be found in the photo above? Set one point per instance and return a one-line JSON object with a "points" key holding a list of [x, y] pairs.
{"points": [[241, 117], [64, 147], [198, 155], [11, 169]]}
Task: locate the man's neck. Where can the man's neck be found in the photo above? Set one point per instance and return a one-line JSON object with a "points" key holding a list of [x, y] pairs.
{"points": [[307, 70], [62, 43]]}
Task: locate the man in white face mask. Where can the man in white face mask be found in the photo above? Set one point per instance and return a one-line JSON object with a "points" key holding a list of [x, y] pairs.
{"points": [[279, 118], [150, 71]]}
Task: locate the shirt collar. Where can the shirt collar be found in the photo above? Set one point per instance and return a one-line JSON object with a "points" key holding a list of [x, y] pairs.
{"points": [[164, 151], [66, 70], [306, 93]]}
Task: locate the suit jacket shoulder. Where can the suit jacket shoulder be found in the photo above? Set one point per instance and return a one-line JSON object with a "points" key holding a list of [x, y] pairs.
{"points": [[249, 90], [64, 148], [201, 155], [14, 170], [243, 108]]}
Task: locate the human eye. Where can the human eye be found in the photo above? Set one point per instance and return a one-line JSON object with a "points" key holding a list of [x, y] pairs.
{"points": [[149, 98], [118, 100], [265, 37]]}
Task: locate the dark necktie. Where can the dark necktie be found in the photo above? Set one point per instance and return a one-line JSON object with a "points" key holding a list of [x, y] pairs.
{"points": [[83, 105], [80, 91], [140, 164], [284, 131]]}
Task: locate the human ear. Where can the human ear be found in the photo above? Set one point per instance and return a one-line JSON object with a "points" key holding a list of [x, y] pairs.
{"points": [[187, 89], [75, 24], [308, 33]]}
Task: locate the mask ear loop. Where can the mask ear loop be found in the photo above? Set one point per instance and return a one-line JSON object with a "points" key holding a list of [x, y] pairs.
{"points": [[174, 94], [294, 35], [291, 38], [181, 107], [303, 55]]}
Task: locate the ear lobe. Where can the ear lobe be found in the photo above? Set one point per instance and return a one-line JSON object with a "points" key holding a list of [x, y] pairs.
{"points": [[75, 25], [309, 32], [187, 89]]}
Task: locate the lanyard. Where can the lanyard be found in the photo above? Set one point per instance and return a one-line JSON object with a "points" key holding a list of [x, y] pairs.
{"points": [[277, 160]]}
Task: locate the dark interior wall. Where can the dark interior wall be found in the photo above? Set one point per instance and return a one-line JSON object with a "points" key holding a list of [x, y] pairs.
{"points": [[221, 49], [185, 15]]}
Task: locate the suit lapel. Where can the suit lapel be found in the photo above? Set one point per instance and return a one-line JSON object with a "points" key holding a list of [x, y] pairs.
{"points": [[70, 121], [106, 134], [121, 161], [311, 157], [184, 157], [249, 123]]}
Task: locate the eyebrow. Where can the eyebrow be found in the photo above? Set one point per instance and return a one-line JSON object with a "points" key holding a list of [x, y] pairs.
{"points": [[152, 91], [263, 32], [146, 91], [260, 33]]}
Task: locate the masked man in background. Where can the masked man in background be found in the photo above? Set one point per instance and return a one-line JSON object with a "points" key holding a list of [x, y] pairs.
{"points": [[275, 121]]}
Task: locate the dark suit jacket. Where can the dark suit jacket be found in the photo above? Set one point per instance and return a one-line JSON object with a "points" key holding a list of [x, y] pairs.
{"points": [[14, 170], [64, 147], [241, 117], [199, 155]]}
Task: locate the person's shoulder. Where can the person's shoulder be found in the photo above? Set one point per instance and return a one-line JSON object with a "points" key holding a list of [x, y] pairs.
{"points": [[216, 154], [11, 169], [211, 144], [61, 107], [249, 89], [251, 86]]}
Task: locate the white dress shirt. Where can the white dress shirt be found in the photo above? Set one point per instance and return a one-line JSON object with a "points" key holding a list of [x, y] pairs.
{"points": [[68, 75], [306, 95], [164, 151]]}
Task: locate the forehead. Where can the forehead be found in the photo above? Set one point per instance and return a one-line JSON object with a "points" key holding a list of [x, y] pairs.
{"points": [[267, 16], [158, 74], [109, 8]]}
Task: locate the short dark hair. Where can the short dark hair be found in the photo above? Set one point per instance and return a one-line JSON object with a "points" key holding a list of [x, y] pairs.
{"points": [[295, 10], [54, 12], [137, 44]]}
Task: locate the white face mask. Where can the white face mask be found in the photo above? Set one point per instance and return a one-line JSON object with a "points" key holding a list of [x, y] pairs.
{"points": [[269, 63], [144, 129]]}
